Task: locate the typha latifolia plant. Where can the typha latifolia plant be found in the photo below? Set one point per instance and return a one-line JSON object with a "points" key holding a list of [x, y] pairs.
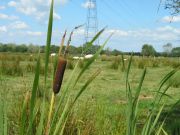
{"points": [[152, 125], [57, 114]]}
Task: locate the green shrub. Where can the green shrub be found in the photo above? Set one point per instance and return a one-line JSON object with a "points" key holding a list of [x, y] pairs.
{"points": [[116, 63], [141, 64]]}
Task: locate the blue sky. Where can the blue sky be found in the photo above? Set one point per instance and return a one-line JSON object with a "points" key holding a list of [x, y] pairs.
{"points": [[135, 22]]}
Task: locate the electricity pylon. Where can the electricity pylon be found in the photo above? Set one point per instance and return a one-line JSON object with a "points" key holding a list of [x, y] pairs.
{"points": [[92, 21]]}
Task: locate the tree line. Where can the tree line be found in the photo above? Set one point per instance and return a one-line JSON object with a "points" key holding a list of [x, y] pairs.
{"points": [[147, 50]]}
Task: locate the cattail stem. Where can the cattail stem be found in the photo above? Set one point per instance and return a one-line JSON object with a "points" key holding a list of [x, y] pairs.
{"points": [[50, 113]]}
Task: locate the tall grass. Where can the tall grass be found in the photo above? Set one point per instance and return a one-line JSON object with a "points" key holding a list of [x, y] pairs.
{"points": [[151, 125]]}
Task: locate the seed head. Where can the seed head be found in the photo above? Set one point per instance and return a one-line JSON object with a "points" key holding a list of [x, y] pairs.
{"points": [[61, 66]]}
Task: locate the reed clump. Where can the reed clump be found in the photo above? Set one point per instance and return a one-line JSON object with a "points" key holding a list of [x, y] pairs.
{"points": [[116, 63], [11, 68]]}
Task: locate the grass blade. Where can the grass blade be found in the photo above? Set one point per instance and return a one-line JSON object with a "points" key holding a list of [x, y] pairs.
{"points": [[33, 94], [88, 45], [87, 84], [41, 123], [23, 115], [62, 118], [48, 42], [92, 60], [1, 116]]}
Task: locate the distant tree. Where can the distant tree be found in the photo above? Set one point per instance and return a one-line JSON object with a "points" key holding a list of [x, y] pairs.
{"points": [[21, 48], [116, 52], [167, 49], [32, 48], [175, 52], [148, 50]]}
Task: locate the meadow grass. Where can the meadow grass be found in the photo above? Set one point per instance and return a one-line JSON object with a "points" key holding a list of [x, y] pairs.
{"points": [[54, 103]]}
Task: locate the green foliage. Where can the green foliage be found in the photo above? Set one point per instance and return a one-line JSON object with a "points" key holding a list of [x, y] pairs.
{"points": [[148, 50], [151, 123], [175, 52], [70, 64], [174, 81]]}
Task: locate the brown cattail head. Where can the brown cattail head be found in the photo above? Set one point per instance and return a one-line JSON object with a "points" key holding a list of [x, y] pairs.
{"points": [[61, 66]]}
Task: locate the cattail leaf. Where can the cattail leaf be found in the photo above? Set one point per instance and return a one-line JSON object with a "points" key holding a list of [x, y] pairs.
{"points": [[63, 127], [5, 119], [156, 120], [94, 39], [48, 42], [128, 71], [23, 115], [86, 84], [41, 123], [165, 133], [62, 118], [92, 60], [160, 129], [166, 78], [138, 90], [1, 116], [33, 94]]}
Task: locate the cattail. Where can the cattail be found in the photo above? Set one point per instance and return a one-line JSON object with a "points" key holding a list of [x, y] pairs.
{"points": [[61, 66]]}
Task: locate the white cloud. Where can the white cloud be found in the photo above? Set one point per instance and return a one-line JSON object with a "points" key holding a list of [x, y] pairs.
{"points": [[117, 32], [166, 33], [12, 4], [3, 29], [36, 8], [19, 25], [170, 19], [2, 7], [88, 4], [37, 33], [8, 17]]}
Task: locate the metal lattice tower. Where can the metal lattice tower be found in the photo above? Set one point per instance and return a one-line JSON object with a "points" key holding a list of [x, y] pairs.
{"points": [[92, 21]]}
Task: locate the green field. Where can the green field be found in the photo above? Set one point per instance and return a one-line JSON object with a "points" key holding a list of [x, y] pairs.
{"points": [[102, 107]]}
